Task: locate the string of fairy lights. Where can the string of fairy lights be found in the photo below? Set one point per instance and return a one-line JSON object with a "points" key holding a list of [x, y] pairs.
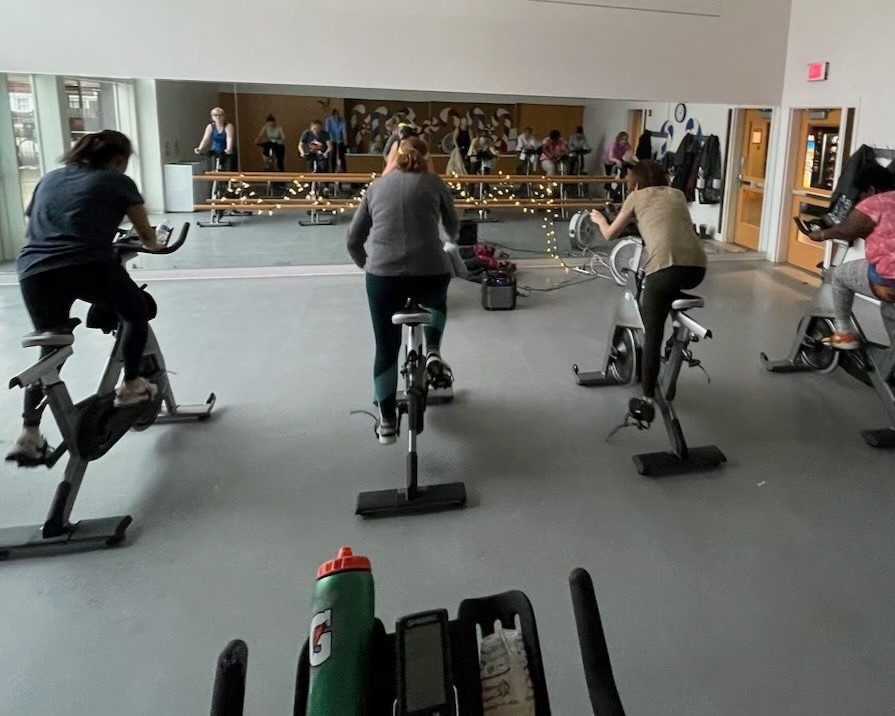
{"points": [[543, 196]]}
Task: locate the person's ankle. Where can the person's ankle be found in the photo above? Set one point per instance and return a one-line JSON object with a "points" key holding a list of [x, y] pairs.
{"points": [[31, 431]]}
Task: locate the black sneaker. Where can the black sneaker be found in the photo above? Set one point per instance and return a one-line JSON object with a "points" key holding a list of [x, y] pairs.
{"points": [[439, 378], [642, 410], [386, 428], [29, 451]]}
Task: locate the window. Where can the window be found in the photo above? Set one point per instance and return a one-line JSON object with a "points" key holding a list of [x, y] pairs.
{"points": [[91, 107], [24, 127]]}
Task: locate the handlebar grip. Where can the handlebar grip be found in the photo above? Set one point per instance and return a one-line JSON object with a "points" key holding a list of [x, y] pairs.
{"points": [[604, 696], [228, 696]]}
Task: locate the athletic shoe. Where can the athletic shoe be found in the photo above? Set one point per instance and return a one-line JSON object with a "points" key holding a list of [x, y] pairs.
{"points": [[843, 341], [386, 428], [642, 410], [142, 391], [439, 377], [30, 450]]}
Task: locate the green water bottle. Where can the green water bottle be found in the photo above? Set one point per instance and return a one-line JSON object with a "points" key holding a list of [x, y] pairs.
{"points": [[341, 635]]}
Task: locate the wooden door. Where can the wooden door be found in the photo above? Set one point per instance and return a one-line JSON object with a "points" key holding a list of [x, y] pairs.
{"points": [[753, 170], [816, 146]]}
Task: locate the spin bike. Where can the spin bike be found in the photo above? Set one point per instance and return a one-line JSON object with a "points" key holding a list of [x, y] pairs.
{"points": [[626, 254], [873, 365], [92, 426], [621, 366], [316, 216], [482, 159], [218, 216], [413, 498]]}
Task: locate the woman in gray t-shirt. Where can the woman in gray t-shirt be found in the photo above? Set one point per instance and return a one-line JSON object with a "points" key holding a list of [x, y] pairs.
{"points": [[72, 221], [394, 236]]}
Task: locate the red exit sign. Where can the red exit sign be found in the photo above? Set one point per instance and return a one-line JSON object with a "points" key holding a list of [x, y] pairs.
{"points": [[818, 71]]}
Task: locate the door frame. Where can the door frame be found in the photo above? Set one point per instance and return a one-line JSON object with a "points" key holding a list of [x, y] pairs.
{"points": [[784, 161], [736, 127]]}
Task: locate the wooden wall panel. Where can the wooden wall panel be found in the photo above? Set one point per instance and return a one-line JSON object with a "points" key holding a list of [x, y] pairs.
{"points": [[294, 113], [544, 117]]}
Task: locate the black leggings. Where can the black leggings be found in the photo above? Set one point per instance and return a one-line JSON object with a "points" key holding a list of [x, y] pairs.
{"points": [[49, 297], [277, 151], [660, 289], [336, 155], [386, 296]]}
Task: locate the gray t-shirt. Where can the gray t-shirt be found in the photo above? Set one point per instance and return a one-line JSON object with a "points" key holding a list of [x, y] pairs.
{"points": [[394, 231], [73, 216]]}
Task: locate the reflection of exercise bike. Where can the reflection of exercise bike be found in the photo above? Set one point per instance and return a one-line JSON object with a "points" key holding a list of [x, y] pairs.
{"points": [[621, 366], [413, 498], [318, 163], [530, 162], [220, 189], [483, 160], [439, 666], [92, 426], [576, 167], [626, 253], [874, 365]]}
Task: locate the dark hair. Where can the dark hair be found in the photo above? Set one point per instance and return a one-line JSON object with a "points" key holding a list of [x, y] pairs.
{"points": [[316, 121], [645, 174], [270, 118], [335, 111], [407, 130], [413, 155], [579, 130], [98, 149], [875, 177], [554, 134]]}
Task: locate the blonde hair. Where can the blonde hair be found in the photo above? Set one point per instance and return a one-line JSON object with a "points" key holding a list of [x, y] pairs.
{"points": [[413, 155]]}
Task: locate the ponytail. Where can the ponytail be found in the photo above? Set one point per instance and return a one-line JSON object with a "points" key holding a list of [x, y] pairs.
{"points": [[413, 155], [97, 150]]}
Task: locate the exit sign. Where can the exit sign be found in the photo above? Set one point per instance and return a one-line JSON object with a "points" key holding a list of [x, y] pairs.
{"points": [[818, 71]]}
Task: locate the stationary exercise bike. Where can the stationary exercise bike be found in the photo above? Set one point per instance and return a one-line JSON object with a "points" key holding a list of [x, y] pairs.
{"points": [[577, 168], [413, 498], [444, 657], [626, 253], [218, 215], [483, 158], [316, 216], [621, 366], [873, 365], [92, 426]]}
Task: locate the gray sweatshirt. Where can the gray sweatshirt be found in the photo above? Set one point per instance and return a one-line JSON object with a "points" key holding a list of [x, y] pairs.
{"points": [[394, 231]]}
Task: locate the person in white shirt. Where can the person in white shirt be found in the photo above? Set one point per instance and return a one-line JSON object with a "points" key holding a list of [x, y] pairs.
{"points": [[528, 149], [271, 139]]}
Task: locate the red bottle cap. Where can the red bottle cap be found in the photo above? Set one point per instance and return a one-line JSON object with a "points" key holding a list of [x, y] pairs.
{"points": [[345, 562]]}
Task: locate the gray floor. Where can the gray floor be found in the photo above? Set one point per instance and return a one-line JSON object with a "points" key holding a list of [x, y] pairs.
{"points": [[278, 241], [763, 588]]}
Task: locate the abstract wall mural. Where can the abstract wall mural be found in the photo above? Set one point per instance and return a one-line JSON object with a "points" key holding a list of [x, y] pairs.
{"points": [[436, 120]]}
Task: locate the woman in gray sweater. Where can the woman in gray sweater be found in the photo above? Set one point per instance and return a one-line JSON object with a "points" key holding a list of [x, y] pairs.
{"points": [[394, 237]]}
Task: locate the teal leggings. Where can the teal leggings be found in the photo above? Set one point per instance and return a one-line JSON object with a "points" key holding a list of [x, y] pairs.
{"points": [[386, 296]]}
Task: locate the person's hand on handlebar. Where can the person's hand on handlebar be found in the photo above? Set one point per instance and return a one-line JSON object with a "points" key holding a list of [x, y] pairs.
{"points": [[600, 220]]}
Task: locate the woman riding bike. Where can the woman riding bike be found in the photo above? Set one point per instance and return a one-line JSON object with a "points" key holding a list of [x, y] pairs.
{"points": [[873, 219], [675, 262], [72, 221], [394, 237]]}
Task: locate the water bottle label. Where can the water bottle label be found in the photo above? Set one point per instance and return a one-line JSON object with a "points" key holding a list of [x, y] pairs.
{"points": [[321, 638]]}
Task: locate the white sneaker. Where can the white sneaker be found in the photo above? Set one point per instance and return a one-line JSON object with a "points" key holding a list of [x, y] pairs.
{"points": [[29, 450], [439, 378], [387, 429], [142, 391]]}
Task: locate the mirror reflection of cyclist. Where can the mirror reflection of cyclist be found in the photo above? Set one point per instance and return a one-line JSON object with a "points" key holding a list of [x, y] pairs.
{"points": [[315, 145], [272, 139], [219, 138], [873, 219]]}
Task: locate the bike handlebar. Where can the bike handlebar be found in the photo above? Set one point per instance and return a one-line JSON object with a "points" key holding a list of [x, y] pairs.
{"points": [[129, 241]]}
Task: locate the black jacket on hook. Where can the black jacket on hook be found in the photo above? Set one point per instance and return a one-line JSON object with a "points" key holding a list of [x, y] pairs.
{"points": [[685, 167], [710, 179]]}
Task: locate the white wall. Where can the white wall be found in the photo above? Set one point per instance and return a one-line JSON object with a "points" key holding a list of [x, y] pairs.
{"points": [[852, 37], [521, 47], [604, 119], [183, 114]]}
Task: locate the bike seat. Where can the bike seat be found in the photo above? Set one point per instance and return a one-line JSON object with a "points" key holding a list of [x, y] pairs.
{"points": [[412, 315], [685, 301], [52, 337]]}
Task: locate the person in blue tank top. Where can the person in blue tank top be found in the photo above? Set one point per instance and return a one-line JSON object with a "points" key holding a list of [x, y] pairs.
{"points": [[220, 140]]}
